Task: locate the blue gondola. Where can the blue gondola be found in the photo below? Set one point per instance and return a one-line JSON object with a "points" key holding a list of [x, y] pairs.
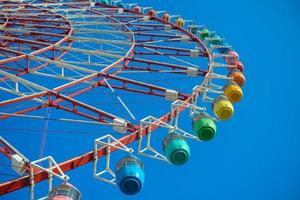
{"points": [[130, 175]]}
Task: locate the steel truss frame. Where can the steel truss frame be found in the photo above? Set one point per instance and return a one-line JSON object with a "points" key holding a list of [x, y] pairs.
{"points": [[138, 36]]}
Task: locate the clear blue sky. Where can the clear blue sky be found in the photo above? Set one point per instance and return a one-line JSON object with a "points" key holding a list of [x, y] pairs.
{"points": [[256, 155]]}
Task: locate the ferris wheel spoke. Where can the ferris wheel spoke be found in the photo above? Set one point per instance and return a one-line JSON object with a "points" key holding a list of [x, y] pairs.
{"points": [[13, 14], [88, 52], [130, 17], [135, 20], [140, 70], [88, 23], [38, 26], [22, 81], [34, 20], [14, 39], [18, 93], [169, 51], [159, 35], [140, 29], [150, 63], [157, 47], [116, 41], [89, 30], [193, 53], [99, 41], [76, 57], [33, 90], [56, 76], [33, 33], [86, 63], [151, 25], [62, 64], [55, 4], [120, 100], [181, 39], [139, 87]]}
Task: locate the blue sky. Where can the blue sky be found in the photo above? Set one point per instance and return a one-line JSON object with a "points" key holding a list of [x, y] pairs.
{"points": [[256, 155]]}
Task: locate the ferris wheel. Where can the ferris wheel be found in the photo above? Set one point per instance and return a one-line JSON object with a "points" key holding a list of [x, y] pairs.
{"points": [[129, 70]]}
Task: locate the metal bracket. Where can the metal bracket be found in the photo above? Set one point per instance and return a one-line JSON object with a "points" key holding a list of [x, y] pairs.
{"points": [[146, 125], [220, 55], [212, 47], [204, 90], [215, 64], [208, 87], [107, 142], [217, 76], [18, 160], [120, 10], [167, 27], [130, 5], [208, 39], [36, 165], [145, 8], [171, 95], [92, 4], [176, 105], [192, 71], [207, 98], [194, 53], [120, 125], [146, 18]]}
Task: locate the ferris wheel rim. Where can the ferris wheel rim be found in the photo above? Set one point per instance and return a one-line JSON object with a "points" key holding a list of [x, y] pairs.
{"points": [[168, 115]]}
